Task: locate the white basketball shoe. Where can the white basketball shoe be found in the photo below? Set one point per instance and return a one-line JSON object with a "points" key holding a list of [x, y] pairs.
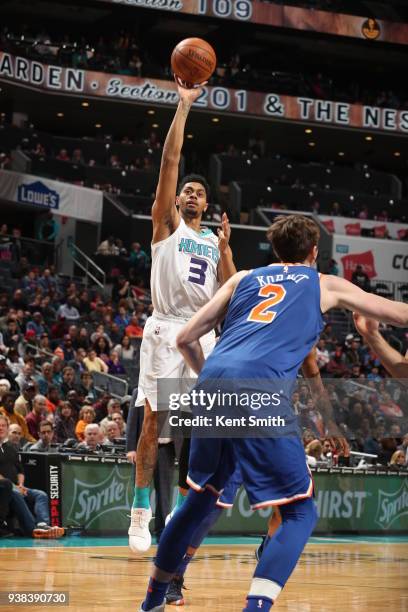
{"points": [[140, 538]]}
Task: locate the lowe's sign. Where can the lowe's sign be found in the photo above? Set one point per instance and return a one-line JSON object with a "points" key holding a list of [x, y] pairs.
{"points": [[38, 194]]}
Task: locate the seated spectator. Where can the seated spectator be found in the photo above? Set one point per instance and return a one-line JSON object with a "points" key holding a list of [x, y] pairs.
{"points": [[46, 379], [30, 506], [93, 363], [24, 402], [86, 388], [26, 375], [361, 279], [112, 432], [133, 330], [398, 459], [36, 324], [108, 247], [7, 373], [138, 259], [314, 452], [37, 414], [68, 311], [53, 399], [68, 351], [77, 157], [117, 417], [68, 380], [4, 388], [63, 155], [86, 416], [64, 426], [114, 364], [322, 355], [100, 333], [7, 409], [122, 319], [112, 407], [125, 350], [46, 436], [15, 436], [92, 437], [47, 281], [101, 348]]}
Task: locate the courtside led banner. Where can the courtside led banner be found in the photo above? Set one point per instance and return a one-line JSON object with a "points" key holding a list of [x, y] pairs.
{"points": [[255, 11], [55, 79]]}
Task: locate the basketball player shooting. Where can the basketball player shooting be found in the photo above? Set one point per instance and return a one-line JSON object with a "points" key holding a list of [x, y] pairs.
{"points": [[273, 317], [189, 263]]}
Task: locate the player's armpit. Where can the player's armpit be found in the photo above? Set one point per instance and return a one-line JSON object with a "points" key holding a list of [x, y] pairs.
{"points": [[339, 293]]}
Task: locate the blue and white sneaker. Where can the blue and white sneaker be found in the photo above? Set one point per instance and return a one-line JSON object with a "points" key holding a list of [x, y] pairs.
{"points": [[155, 609]]}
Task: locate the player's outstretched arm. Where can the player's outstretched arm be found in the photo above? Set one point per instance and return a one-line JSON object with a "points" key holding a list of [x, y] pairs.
{"points": [[226, 266], [339, 293], [204, 321], [311, 372], [395, 363], [165, 216]]}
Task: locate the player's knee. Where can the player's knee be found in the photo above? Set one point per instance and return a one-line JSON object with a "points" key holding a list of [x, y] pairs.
{"points": [[304, 510]]}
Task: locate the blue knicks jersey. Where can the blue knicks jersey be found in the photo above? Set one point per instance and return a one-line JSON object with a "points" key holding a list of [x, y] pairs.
{"points": [[273, 321]]}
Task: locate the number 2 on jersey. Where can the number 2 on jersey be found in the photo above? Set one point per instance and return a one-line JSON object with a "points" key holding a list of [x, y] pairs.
{"points": [[260, 312]]}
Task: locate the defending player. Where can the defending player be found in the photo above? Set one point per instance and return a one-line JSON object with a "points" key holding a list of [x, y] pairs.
{"points": [[273, 317], [188, 265]]}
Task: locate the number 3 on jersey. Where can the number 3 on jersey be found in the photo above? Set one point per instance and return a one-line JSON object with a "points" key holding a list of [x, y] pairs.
{"points": [[260, 312], [197, 270]]}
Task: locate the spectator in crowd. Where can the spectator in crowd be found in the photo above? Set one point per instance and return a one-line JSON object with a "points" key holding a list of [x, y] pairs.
{"points": [[117, 417], [68, 380], [322, 355], [33, 525], [4, 388], [108, 247], [24, 402], [112, 407], [361, 278], [115, 366], [133, 330], [122, 319], [92, 437], [64, 426], [68, 311], [46, 379], [63, 155], [15, 436], [7, 409], [26, 375], [125, 350], [398, 459], [314, 452], [112, 432], [37, 414], [86, 416], [93, 363], [46, 437], [138, 259]]}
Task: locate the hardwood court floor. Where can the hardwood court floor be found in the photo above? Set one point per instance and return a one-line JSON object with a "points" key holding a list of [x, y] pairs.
{"points": [[337, 575]]}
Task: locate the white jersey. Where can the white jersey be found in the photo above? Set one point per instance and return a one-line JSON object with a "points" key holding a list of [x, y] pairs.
{"points": [[184, 271]]}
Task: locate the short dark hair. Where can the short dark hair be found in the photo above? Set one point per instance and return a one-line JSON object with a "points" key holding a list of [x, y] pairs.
{"points": [[195, 178], [293, 237]]}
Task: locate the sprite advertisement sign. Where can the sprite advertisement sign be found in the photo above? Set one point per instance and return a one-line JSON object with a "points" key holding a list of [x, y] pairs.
{"points": [[98, 492]]}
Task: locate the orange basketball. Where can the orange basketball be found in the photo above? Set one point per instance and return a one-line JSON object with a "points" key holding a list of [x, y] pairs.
{"points": [[193, 61]]}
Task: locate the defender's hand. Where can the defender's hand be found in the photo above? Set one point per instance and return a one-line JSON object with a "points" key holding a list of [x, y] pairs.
{"points": [[364, 325]]}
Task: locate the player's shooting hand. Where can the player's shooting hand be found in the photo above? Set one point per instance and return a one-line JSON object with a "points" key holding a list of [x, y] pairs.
{"points": [[224, 233], [188, 95], [364, 325]]}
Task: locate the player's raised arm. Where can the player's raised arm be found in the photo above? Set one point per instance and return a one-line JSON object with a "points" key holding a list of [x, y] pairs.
{"points": [[226, 266], [339, 293], [165, 216], [204, 321]]}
